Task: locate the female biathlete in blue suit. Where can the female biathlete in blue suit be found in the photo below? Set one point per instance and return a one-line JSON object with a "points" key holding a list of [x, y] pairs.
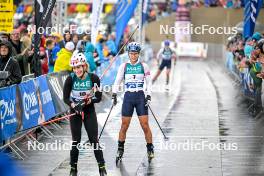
{"points": [[134, 74]]}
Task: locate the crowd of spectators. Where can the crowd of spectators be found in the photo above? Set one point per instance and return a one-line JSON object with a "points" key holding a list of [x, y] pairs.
{"points": [[245, 58], [56, 50]]}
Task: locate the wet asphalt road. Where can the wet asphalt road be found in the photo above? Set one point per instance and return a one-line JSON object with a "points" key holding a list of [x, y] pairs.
{"points": [[202, 109]]}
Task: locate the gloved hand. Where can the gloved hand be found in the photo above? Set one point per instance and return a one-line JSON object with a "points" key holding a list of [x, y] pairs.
{"points": [[114, 97], [147, 100], [88, 99], [78, 108]]}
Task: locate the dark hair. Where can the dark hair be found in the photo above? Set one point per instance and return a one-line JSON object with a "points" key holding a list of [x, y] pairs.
{"points": [[67, 32], [49, 42], [260, 46], [88, 36], [78, 36], [8, 45]]}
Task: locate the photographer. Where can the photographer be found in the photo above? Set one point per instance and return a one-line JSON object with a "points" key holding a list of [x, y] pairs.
{"points": [[9, 69]]}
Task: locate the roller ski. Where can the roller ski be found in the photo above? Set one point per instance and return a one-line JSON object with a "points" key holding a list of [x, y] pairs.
{"points": [[73, 171], [150, 151], [167, 87], [119, 155], [102, 170]]}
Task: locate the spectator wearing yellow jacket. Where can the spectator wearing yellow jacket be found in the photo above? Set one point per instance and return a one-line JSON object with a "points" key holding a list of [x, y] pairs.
{"points": [[64, 56]]}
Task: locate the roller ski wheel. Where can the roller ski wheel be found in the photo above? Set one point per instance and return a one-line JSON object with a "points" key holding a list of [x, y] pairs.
{"points": [[167, 87], [150, 156], [73, 171], [119, 155], [102, 170]]}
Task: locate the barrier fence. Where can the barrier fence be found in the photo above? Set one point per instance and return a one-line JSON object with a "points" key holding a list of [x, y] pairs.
{"points": [[30, 103]]}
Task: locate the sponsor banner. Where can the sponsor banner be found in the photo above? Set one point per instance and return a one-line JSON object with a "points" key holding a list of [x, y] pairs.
{"points": [[8, 112], [251, 12], [47, 109], [192, 49], [97, 10], [30, 104], [124, 11]]}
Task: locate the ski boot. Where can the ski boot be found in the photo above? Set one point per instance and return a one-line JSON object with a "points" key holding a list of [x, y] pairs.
{"points": [[119, 154], [73, 171], [150, 150], [167, 86], [102, 170]]}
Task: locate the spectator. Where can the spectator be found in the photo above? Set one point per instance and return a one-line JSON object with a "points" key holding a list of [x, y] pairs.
{"points": [[57, 39], [254, 73], [8, 64], [111, 44], [248, 48], [4, 36], [99, 48], [89, 50], [81, 43], [51, 60], [230, 4], [25, 39], [43, 60], [18, 54], [239, 52], [64, 56], [237, 4], [15, 41], [26, 48], [258, 54], [67, 37], [55, 49], [75, 39], [256, 36], [49, 37]]}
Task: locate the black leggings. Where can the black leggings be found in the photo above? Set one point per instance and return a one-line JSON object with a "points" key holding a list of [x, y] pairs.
{"points": [[91, 127]]}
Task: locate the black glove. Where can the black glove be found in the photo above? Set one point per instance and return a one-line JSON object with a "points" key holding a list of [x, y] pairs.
{"points": [[114, 98], [147, 100], [78, 108]]}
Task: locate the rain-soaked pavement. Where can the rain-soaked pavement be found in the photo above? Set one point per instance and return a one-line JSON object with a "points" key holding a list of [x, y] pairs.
{"points": [[210, 132]]}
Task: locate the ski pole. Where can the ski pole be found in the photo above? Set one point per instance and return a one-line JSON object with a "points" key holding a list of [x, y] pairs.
{"points": [[157, 122], [111, 63], [106, 121]]}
